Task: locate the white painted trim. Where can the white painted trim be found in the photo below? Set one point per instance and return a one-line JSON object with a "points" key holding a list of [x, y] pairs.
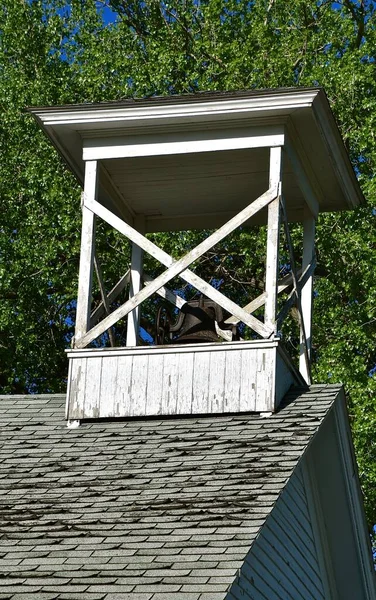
{"points": [[272, 243], [307, 296], [337, 154], [87, 253], [318, 530], [166, 293], [135, 286], [68, 388], [361, 534], [186, 142], [95, 114], [171, 349], [137, 259], [66, 124], [158, 253]]}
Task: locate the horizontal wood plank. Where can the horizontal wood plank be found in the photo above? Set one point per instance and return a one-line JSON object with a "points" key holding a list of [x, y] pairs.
{"points": [[182, 143]]}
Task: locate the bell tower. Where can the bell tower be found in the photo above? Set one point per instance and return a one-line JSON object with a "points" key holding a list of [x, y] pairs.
{"points": [[215, 162]]}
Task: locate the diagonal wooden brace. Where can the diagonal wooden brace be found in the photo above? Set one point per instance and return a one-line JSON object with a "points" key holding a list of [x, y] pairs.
{"points": [[111, 296], [104, 296], [166, 293], [297, 290], [292, 296], [179, 267], [283, 284]]}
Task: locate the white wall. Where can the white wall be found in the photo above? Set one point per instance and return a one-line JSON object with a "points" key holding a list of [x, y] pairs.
{"points": [[283, 562]]}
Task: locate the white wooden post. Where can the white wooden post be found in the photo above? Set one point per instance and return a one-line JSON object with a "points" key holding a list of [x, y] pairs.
{"points": [[306, 295], [135, 286], [272, 247], [87, 253]]}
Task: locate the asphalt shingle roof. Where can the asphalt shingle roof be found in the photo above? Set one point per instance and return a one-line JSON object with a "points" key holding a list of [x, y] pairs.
{"points": [[146, 509]]}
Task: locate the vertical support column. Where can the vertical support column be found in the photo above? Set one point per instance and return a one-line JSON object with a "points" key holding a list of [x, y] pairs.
{"points": [[135, 286], [272, 247], [306, 296], [85, 277]]}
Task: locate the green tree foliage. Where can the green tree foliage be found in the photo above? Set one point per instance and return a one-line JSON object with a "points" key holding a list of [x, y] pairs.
{"points": [[56, 51]]}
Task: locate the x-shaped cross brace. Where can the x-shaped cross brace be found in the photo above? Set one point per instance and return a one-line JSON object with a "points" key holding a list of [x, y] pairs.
{"points": [[178, 267]]}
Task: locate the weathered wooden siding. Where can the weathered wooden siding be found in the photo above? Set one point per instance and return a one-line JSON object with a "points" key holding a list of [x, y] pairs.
{"points": [[216, 378], [283, 562]]}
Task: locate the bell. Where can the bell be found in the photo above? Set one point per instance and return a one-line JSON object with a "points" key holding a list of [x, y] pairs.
{"points": [[197, 322]]}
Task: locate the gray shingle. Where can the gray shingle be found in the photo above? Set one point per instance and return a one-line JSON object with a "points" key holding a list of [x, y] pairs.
{"points": [[140, 509]]}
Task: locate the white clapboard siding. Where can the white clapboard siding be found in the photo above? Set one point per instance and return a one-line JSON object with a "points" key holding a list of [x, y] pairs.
{"points": [[232, 381], [76, 387], [108, 387], [185, 383], [247, 396], [200, 379], [122, 403], [138, 385], [155, 384], [91, 400], [283, 562], [169, 399], [217, 376], [192, 379], [265, 378]]}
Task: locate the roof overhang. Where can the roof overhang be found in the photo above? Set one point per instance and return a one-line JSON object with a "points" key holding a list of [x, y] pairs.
{"points": [[193, 161]]}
